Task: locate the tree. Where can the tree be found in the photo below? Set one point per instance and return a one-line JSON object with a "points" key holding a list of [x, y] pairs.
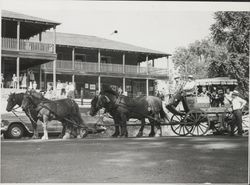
{"points": [[231, 32], [194, 59]]}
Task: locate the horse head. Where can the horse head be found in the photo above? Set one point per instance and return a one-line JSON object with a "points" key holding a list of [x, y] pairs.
{"points": [[12, 101], [97, 103]]}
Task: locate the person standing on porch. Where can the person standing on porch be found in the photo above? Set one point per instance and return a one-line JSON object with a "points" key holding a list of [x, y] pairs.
{"points": [[24, 81], [237, 105], [14, 81], [59, 87], [28, 79], [71, 93], [32, 79]]}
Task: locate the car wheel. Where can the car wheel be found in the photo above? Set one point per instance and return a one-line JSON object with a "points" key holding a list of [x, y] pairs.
{"points": [[15, 131]]}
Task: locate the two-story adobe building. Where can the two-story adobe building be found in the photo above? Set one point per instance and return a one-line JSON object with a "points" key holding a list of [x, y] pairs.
{"points": [[88, 61]]}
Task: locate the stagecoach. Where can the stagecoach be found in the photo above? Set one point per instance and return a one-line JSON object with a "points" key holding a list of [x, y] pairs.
{"points": [[197, 116]]}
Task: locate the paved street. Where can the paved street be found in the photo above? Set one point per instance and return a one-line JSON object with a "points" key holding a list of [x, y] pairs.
{"points": [[145, 160]]}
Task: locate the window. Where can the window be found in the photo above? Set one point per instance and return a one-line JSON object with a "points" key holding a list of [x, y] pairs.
{"points": [[80, 57], [106, 59]]}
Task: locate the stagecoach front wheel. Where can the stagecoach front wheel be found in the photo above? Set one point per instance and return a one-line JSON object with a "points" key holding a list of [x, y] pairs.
{"points": [[199, 120], [178, 127]]}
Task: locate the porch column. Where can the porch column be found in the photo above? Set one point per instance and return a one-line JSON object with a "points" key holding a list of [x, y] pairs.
{"points": [[45, 81], [73, 65], [99, 70], [18, 35], [54, 62], [40, 77], [123, 63], [18, 71], [153, 63], [99, 83], [147, 90], [18, 58], [99, 61], [147, 64], [123, 84]]}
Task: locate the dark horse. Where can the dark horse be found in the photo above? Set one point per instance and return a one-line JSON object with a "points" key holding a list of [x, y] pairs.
{"points": [[63, 110], [122, 108], [16, 99]]}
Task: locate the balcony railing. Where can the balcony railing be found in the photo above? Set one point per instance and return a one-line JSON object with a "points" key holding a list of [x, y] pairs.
{"points": [[66, 65], [26, 45], [9, 43]]}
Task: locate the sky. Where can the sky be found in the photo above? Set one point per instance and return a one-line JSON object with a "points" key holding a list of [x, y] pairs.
{"points": [[162, 26]]}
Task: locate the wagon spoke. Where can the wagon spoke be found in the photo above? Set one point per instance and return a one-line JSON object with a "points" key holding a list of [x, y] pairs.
{"points": [[178, 126], [184, 130]]}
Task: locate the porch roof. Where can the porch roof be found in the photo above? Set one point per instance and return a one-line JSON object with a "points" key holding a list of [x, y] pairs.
{"points": [[30, 25], [94, 42]]}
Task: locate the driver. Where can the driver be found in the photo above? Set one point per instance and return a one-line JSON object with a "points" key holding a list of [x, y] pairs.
{"points": [[190, 85]]}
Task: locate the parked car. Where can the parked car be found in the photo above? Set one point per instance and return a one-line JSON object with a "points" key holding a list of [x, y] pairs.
{"points": [[16, 127]]}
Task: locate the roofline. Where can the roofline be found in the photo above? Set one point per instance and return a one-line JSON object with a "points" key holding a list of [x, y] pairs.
{"points": [[117, 50], [42, 21], [31, 21]]}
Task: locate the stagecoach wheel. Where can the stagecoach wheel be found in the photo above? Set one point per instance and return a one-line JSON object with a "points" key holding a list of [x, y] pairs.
{"points": [[199, 120], [178, 127], [83, 132]]}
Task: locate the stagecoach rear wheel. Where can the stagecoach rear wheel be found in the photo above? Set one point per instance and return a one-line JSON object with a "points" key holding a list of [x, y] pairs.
{"points": [[178, 127], [199, 120]]}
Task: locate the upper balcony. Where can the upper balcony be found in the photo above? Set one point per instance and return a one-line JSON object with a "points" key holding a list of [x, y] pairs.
{"points": [[66, 66], [25, 45]]}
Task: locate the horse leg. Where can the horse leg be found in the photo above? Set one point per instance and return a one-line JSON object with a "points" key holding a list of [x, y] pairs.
{"points": [[152, 132], [116, 127], [140, 133], [45, 131], [35, 131], [124, 132], [67, 132], [158, 126], [63, 130]]}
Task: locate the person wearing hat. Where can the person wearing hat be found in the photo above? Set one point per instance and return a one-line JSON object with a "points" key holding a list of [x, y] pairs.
{"points": [[237, 105], [177, 95], [189, 87]]}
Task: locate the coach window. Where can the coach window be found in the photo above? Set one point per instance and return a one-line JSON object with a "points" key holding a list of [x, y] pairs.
{"points": [[80, 57]]}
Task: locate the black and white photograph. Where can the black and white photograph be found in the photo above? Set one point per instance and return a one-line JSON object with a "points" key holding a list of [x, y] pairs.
{"points": [[125, 92]]}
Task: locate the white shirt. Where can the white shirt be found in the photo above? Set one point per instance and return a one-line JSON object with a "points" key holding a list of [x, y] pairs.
{"points": [[238, 103]]}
